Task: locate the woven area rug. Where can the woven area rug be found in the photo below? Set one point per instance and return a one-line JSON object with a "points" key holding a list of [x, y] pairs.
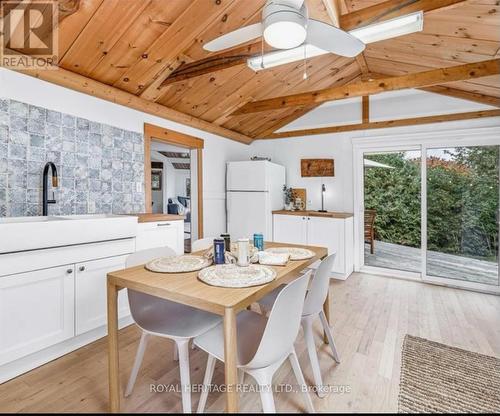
{"points": [[437, 378]]}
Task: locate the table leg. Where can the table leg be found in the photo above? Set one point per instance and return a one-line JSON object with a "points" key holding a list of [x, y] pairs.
{"points": [[231, 371], [326, 309], [113, 358]]}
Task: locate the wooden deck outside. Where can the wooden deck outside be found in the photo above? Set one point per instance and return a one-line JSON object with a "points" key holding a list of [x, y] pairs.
{"points": [[394, 256]]}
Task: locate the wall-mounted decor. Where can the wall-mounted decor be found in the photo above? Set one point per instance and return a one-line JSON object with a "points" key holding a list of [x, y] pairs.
{"points": [[317, 167], [188, 187], [156, 175]]}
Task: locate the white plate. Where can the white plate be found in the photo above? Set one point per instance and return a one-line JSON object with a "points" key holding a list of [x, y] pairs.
{"points": [[231, 275], [296, 253], [178, 264]]}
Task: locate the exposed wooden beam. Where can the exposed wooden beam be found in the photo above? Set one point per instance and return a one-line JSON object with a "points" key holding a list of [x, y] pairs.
{"points": [[391, 9], [333, 9], [416, 80], [214, 63], [464, 95], [365, 109], [97, 89], [385, 124]]}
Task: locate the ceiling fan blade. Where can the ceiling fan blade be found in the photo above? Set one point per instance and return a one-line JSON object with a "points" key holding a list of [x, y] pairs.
{"points": [[296, 4], [332, 39], [234, 38]]}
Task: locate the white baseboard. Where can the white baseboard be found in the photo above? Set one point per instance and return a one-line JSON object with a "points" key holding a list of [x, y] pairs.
{"points": [[22, 365]]}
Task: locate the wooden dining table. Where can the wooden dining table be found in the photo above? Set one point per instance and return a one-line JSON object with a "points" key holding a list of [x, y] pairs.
{"points": [[187, 289]]}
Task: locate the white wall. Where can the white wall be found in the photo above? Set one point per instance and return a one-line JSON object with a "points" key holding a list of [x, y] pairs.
{"points": [[180, 181], [339, 195], [217, 150]]}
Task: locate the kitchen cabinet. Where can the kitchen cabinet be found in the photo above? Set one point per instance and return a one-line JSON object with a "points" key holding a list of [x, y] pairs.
{"points": [[335, 233], [160, 234], [36, 311], [90, 293]]}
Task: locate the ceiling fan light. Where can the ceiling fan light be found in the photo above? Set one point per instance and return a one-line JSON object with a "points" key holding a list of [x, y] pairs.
{"points": [[402, 25], [276, 58], [285, 34]]}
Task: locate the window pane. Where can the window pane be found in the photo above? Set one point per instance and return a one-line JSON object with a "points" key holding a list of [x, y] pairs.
{"points": [[462, 209], [392, 210]]}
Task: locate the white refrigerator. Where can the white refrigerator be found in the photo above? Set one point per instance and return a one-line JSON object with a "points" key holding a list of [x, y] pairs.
{"points": [[253, 190]]}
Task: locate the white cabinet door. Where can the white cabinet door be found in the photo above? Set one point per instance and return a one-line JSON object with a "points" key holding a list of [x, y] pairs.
{"points": [[328, 232], [161, 234], [90, 289], [36, 311], [290, 229]]}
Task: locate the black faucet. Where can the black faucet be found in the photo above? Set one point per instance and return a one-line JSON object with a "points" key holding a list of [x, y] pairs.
{"points": [[47, 201]]}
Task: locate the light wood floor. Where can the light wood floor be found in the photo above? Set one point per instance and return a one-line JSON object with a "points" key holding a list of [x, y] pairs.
{"points": [[370, 314]]}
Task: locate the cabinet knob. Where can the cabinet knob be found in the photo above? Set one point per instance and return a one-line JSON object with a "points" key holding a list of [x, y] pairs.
{"points": [[81, 268], [303, 218], [69, 271]]}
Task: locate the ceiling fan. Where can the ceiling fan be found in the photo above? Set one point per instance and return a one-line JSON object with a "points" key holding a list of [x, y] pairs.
{"points": [[286, 26]]}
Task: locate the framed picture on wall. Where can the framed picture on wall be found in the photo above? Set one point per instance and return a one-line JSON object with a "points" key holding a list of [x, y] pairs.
{"points": [[156, 180], [188, 187]]}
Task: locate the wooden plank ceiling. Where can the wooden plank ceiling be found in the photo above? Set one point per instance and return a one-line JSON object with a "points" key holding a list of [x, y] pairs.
{"points": [[136, 45]]}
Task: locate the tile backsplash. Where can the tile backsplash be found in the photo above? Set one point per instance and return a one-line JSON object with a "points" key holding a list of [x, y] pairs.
{"points": [[100, 167]]}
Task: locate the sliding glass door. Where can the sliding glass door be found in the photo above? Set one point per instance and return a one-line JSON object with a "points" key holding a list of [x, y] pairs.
{"points": [[392, 214], [430, 210], [462, 198]]}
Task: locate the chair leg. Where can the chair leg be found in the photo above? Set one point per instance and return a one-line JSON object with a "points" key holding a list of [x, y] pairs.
{"points": [[329, 334], [307, 324], [137, 363], [264, 378], [300, 380], [207, 380], [183, 350], [176, 352]]}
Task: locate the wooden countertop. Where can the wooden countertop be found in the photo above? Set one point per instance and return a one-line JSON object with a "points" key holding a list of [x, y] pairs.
{"points": [[329, 214], [145, 217]]}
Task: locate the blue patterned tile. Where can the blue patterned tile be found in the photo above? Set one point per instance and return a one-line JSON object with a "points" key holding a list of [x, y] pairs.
{"points": [[37, 140], [36, 154], [68, 172], [68, 146], [34, 209], [16, 195], [3, 164], [4, 134], [68, 159], [3, 210], [3, 196], [37, 113], [53, 156], [139, 157], [17, 209], [68, 134], [4, 150], [4, 119], [107, 141], [82, 136], [95, 127], [34, 196], [18, 109], [128, 156], [4, 105], [54, 117], [3, 180], [17, 151], [36, 127], [94, 185], [95, 139], [18, 123], [107, 153], [81, 209], [106, 186], [82, 124], [67, 183], [94, 173], [19, 137], [117, 186], [53, 131], [68, 121], [34, 181]]}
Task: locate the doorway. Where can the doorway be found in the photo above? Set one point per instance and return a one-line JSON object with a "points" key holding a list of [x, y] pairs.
{"points": [[174, 178], [427, 208]]}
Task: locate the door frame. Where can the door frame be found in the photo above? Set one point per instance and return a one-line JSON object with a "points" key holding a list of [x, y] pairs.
{"points": [[165, 135], [482, 136]]}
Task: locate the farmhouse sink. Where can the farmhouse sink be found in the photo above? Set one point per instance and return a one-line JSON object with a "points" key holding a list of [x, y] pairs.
{"points": [[34, 233]]}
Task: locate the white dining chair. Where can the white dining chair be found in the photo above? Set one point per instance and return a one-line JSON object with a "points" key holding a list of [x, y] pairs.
{"points": [[202, 244], [313, 309], [263, 344], [167, 319]]}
